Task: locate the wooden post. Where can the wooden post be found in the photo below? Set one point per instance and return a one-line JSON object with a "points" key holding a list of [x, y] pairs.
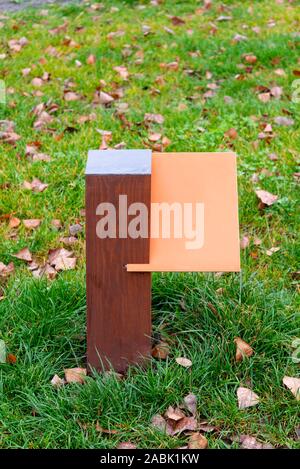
{"points": [[118, 302]]}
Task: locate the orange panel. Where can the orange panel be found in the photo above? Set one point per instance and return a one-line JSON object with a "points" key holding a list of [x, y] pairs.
{"points": [[206, 179]]}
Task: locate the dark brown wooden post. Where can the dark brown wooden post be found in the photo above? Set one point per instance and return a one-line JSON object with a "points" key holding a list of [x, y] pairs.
{"points": [[118, 302]]}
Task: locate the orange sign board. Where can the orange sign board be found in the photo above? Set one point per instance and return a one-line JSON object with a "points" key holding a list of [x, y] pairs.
{"points": [[194, 214]]}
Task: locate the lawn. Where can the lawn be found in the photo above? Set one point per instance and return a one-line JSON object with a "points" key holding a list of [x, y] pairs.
{"points": [[222, 78]]}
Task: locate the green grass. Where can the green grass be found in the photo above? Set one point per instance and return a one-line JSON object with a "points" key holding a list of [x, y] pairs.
{"points": [[43, 323]]}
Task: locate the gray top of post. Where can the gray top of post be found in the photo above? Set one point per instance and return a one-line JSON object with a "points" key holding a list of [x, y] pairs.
{"points": [[118, 162]]}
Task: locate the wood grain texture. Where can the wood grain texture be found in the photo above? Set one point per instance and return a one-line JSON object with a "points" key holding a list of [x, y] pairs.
{"points": [[118, 302]]}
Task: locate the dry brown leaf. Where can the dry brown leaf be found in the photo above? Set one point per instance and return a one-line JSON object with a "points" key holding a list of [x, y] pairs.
{"points": [[71, 96], [161, 424], [250, 442], [14, 222], [11, 358], [56, 224], [264, 97], [242, 349], [122, 71], [155, 118], [284, 121], [231, 134], [64, 263], [185, 424], [126, 445], [272, 250], [75, 375], [54, 254], [24, 255], [43, 119], [190, 403], [6, 270], [174, 414], [36, 185], [32, 224], [293, 384], [176, 20], [161, 350], [266, 197], [184, 362], [197, 441], [244, 243], [75, 229], [246, 398], [56, 381], [102, 98], [37, 81], [250, 58], [91, 60], [276, 92], [47, 271], [154, 137]]}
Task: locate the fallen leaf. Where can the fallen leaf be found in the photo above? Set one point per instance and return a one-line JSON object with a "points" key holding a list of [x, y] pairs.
{"points": [[154, 137], [231, 134], [174, 414], [65, 263], [57, 382], [37, 81], [102, 98], [32, 224], [11, 358], [224, 18], [250, 58], [246, 398], [160, 424], [266, 197], [71, 96], [242, 349], [197, 441], [56, 224], [176, 20], [6, 270], [14, 222], [75, 229], [264, 97], [271, 251], [244, 243], [36, 185], [55, 254], [126, 445], [185, 424], [161, 350], [283, 121], [24, 255], [276, 92], [47, 271], [122, 71], [184, 362], [250, 442], [75, 375], [155, 118], [91, 60], [190, 403], [293, 384]]}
